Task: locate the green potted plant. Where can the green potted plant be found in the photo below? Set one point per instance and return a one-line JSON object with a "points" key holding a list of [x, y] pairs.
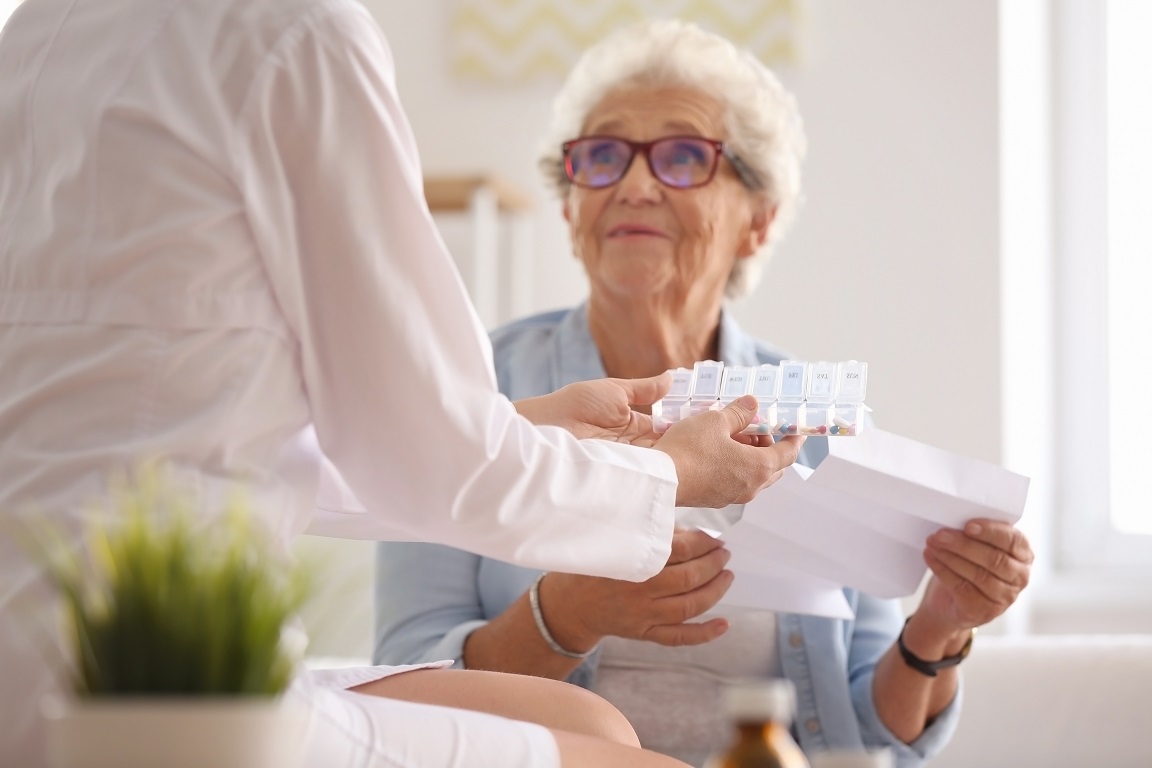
{"points": [[177, 631]]}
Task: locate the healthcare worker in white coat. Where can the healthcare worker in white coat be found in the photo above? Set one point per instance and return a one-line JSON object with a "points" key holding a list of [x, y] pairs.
{"points": [[213, 240]]}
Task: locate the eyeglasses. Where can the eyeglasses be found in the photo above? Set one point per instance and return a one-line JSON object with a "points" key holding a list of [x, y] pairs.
{"points": [[681, 162]]}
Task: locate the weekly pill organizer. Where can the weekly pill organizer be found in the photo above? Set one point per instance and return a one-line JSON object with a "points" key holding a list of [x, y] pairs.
{"points": [[795, 397]]}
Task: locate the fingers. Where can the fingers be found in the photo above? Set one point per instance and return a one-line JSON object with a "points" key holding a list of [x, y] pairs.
{"points": [[962, 578], [739, 413], [949, 579], [689, 544], [680, 608], [641, 425], [772, 478], [638, 430], [679, 593], [784, 455], [687, 633], [713, 468], [646, 391], [986, 577], [690, 575], [1001, 536], [788, 449], [981, 559]]}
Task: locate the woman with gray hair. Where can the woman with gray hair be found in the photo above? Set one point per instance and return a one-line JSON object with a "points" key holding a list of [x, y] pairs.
{"points": [[677, 160]]}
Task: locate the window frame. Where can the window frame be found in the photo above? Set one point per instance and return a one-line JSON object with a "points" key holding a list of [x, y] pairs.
{"points": [[1087, 540]]}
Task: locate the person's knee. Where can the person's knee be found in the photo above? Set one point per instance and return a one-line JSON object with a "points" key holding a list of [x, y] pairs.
{"points": [[550, 703], [597, 717]]}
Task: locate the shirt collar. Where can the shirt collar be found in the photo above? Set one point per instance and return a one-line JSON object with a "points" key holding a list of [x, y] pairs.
{"points": [[736, 347], [576, 358]]}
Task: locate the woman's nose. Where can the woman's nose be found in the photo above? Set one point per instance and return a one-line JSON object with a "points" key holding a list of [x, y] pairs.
{"points": [[638, 185]]}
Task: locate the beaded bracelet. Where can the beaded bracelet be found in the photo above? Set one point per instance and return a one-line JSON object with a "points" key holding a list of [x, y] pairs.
{"points": [[534, 600]]}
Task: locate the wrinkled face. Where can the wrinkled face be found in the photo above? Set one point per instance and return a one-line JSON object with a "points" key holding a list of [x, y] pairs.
{"points": [[643, 240]]}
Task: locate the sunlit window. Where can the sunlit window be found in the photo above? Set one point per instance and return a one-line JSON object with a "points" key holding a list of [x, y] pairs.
{"points": [[1129, 261]]}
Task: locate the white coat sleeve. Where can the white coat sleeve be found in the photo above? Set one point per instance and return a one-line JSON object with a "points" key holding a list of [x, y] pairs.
{"points": [[396, 366]]}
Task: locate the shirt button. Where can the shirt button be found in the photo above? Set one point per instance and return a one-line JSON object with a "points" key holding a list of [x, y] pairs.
{"points": [[813, 726], [795, 639]]}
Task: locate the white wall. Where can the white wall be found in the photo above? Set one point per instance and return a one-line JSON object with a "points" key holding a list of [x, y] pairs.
{"points": [[895, 257], [6, 9]]}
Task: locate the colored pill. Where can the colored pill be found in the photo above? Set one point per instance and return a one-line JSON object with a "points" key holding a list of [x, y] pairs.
{"points": [[835, 430]]}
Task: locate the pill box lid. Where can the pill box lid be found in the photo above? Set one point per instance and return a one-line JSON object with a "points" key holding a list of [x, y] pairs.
{"points": [[737, 380], [706, 379], [853, 382], [793, 380], [823, 378]]}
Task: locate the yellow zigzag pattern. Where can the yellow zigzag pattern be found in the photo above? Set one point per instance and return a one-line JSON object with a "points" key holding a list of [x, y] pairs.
{"points": [[583, 22]]}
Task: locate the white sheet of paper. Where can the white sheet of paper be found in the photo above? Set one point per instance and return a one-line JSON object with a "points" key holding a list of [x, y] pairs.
{"points": [[787, 591], [862, 517], [763, 584]]}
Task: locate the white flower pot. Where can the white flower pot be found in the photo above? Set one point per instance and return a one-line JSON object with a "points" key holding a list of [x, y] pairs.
{"points": [[173, 732]]}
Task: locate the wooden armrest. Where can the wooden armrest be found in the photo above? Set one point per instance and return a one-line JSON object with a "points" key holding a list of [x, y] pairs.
{"points": [[454, 193]]}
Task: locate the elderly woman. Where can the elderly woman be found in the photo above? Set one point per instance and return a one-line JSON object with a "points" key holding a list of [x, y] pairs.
{"points": [[677, 158]]}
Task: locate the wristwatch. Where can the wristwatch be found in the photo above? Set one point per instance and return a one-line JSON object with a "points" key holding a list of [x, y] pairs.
{"points": [[930, 668]]}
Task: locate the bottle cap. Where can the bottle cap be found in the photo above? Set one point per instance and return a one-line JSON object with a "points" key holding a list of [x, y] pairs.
{"points": [[760, 700], [853, 759]]}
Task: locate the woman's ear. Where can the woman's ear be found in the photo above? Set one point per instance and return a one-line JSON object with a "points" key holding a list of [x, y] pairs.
{"points": [[566, 209], [762, 217]]}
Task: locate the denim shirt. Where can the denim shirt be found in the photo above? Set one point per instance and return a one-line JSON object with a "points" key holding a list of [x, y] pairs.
{"points": [[429, 597]]}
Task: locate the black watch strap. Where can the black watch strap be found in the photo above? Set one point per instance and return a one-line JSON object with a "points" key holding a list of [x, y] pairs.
{"points": [[930, 668]]}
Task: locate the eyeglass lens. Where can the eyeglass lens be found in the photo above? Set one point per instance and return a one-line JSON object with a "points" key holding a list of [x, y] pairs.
{"points": [[676, 161]]}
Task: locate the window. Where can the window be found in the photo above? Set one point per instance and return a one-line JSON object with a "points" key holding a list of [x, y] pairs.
{"points": [[1103, 296], [1128, 28]]}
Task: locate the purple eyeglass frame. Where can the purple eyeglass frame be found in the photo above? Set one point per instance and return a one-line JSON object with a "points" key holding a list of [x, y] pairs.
{"points": [[747, 177]]}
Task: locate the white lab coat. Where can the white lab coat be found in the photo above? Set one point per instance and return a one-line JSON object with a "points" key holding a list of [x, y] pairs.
{"points": [[213, 237]]}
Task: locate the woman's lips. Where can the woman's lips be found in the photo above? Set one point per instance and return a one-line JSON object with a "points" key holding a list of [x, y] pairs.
{"points": [[634, 230]]}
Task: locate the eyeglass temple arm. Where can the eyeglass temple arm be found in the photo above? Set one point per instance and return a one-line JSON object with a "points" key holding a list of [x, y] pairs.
{"points": [[743, 170]]}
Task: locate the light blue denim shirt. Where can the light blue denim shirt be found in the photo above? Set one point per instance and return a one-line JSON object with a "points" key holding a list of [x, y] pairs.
{"points": [[429, 598]]}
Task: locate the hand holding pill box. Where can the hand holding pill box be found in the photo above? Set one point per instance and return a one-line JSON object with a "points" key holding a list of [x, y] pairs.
{"points": [[795, 397]]}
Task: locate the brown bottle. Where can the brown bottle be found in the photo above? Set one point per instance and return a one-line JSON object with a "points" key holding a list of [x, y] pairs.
{"points": [[760, 712]]}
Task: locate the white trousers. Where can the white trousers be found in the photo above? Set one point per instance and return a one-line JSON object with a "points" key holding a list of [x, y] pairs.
{"points": [[353, 730]]}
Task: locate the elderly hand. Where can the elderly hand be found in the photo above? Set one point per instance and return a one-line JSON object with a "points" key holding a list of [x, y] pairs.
{"points": [[589, 609], [601, 408], [978, 572]]}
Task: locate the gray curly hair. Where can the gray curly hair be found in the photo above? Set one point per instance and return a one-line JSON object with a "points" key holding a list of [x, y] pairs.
{"points": [[761, 118]]}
